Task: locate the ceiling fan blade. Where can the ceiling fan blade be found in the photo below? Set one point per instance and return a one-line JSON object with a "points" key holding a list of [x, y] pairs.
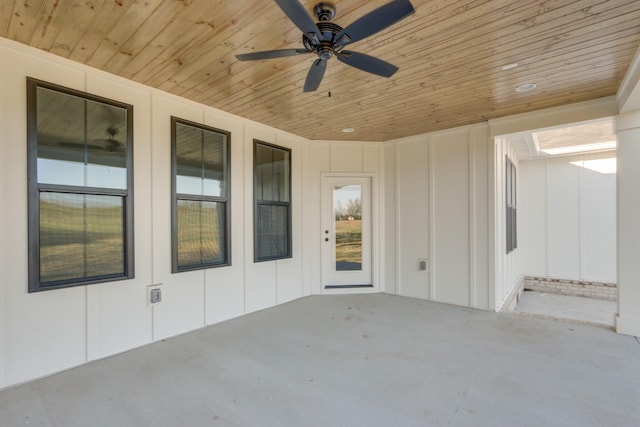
{"points": [[314, 77], [299, 16], [374, 21], [268, 54], [367, 63]]}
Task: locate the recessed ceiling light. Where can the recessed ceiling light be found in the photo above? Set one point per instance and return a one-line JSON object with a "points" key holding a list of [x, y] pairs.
{"points": [[526, 87], [348, 130], [509, 66]]}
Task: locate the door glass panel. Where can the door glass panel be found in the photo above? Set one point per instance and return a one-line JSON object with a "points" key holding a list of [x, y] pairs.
{"points": [[347, 209]]}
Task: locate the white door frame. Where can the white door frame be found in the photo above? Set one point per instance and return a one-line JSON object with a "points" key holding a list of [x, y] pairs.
{"points": [[374, 238]]}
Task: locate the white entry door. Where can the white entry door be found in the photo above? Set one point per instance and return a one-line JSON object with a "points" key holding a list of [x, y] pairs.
{"points": [[346, 232]]}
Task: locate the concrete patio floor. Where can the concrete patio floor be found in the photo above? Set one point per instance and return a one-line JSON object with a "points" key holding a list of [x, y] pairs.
{"points": [[352, 360], [588, 311]]}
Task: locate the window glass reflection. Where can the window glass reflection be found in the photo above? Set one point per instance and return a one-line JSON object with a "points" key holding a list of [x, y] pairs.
{"points": [[272, 173], [200, 161], [200, 232], [80, 142], [81, 236], [272, 234]]}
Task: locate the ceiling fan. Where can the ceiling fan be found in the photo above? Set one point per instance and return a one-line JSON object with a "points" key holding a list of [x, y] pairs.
{"points": [[327, 39], [109, 145]]}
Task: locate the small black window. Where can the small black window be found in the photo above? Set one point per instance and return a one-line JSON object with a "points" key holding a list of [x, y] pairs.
{"points": [[272, 196], [200, 188], [511, 206], [80, 183]]}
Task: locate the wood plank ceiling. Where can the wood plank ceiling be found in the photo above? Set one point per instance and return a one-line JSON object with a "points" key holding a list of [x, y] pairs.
{"points": [[450, 54]]}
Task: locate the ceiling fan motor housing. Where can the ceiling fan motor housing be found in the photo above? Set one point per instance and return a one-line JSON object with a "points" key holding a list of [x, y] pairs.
{"points": [[326, 47]]}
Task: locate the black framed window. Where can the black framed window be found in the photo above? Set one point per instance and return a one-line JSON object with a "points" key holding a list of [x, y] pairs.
{"points": [[272, 198], [511, 205], [80, 183], [200, 187]]}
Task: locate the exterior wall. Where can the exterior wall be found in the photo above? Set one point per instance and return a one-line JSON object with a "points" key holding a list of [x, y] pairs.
{"points": [[507, 269], [50, 331], [441, 214], [390, 250], [628, 132], [568, 218]]}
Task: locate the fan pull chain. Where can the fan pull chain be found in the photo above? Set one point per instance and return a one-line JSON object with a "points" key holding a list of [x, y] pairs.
{"points": [[330, 78]]}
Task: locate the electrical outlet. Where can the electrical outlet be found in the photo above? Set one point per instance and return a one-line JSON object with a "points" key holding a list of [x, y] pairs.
{"points": [[155, 295], [423, 264]]}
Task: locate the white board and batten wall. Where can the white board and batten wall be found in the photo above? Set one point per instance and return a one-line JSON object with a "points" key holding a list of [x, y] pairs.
{"points": [[46, 332], [508, 272], [50, 331], [509, 269], [570, 215], [439, 183]]}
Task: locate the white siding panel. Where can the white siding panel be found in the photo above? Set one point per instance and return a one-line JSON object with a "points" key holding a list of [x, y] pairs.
{"points": [[224, 294], [111, 331], [532, 216], [567, 215], [479, 286], [413, 218], [289, 279], [451, 258], [508, 268], [182, 305], [224, 286], [628, 204], [563, 213], [261, 286], [46, 331], [390, 256], [346, 157], [319, 161], [370, 158], [289, 271], [598, 223]]}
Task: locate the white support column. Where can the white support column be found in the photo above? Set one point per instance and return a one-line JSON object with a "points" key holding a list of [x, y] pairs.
{"points": [[628, 203]]}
